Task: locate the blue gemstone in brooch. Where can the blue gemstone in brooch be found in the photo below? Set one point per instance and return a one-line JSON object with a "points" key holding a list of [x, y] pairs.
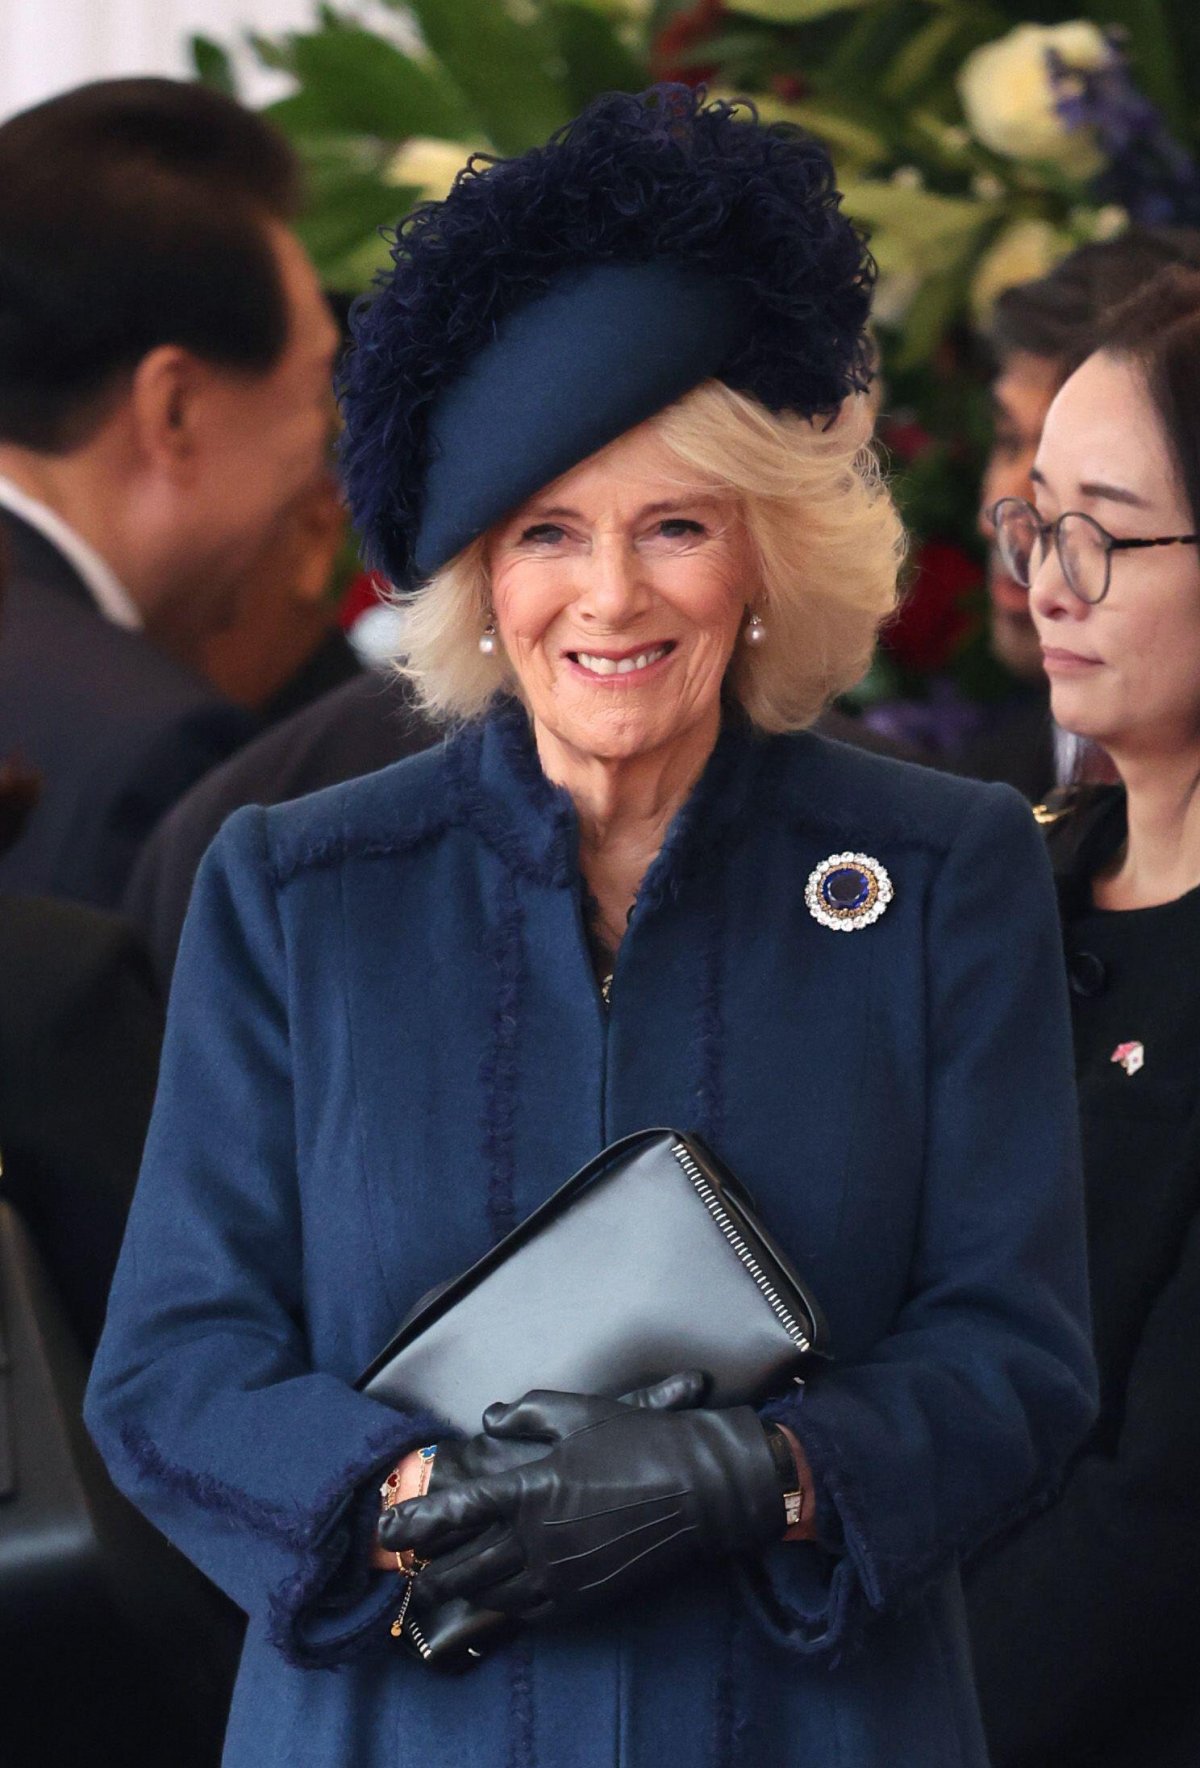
{"points": [[847, 891]]}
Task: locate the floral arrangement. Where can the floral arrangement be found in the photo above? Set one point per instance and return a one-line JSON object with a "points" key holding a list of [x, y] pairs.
{"points": [[977, 146]]}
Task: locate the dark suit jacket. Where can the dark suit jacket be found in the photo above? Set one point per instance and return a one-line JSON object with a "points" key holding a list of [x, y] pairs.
{"points": [[1014, 745], [331, 665], [117, 729], [80, 1028], [367, 724]]}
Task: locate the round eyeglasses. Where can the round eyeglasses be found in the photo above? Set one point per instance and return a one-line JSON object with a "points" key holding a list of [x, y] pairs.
{"points": [[1084, 548]]}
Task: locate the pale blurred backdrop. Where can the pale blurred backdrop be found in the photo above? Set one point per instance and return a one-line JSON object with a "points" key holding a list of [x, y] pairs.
{"points": [[47, 45]]}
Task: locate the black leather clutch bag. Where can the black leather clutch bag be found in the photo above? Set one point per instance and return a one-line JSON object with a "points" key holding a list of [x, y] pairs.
{"points": [[649, 1260]]}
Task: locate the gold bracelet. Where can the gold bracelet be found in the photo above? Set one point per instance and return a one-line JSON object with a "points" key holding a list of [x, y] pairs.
{"points": [[406, 1560]]}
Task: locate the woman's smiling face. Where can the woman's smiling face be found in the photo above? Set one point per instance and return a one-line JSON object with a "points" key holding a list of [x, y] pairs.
{"points": [[619, 592]]}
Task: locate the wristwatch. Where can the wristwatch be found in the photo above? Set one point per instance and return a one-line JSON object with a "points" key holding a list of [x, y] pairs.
{"points": [[785, 1467]]}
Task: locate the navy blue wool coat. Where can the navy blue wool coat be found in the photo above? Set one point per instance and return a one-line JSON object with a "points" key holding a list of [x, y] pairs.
{"points": [[386, 1046]]}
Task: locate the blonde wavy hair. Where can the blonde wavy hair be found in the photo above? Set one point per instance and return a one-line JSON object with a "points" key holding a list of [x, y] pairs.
{"points": [[825, 532]]}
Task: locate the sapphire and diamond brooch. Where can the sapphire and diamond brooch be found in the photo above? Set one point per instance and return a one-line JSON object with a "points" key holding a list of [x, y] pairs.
{"points": [[848, 891]]}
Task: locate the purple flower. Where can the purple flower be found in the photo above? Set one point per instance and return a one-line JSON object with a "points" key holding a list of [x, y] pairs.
{"points": [[1148, 173]]}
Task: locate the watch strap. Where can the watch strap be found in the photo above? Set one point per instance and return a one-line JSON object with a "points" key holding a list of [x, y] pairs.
{"points": [[785, 1466]]}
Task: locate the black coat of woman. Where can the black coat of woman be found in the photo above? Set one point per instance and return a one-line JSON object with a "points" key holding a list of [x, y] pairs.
{"points": [[1084, 1620]]}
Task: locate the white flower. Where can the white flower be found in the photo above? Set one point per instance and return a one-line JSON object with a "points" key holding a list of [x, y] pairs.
{"points": [[1024, 251], [428, 165], [1109, 221], [987, 187], [908, 178], [1009, 97], [895, 293]]}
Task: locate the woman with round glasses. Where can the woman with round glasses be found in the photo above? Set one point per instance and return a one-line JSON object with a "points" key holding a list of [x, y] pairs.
{"points": [[1084, 1622]]}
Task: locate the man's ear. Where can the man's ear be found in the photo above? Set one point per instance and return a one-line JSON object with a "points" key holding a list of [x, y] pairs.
{"points": [[167, 396]]}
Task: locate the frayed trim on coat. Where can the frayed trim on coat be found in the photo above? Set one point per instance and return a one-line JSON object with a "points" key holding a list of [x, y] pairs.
{"points": [[522, 1745], [335, 1528], [710, 1091], [863, 1586], [728, 1723], [301, 1592], [206, 1492], [498, 1071], [546, 853], [331, 850], [327, 1578]]}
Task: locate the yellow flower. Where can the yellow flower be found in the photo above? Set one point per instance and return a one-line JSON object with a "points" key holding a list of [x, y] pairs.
{"points": [[1024, 251], [637, 9], [1008, 96]]}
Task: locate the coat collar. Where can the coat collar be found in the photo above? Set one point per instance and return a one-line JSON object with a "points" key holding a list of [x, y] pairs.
{"points": [[57, 551], [502, 792]]}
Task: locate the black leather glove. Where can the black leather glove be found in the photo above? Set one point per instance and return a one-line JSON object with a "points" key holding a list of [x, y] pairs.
{"points": [[468, 1457], [455, 1631], [622, 1495]]}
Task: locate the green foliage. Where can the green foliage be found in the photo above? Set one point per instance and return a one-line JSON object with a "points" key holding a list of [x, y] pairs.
{"points": [[595, 57], [212, 65], [352, 82], [473, 73], [510, 72]]}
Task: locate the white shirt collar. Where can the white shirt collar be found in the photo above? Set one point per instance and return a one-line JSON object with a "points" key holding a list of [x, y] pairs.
{"points": [[101, 581]]}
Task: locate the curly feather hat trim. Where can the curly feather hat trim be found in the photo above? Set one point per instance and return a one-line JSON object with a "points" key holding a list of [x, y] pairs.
{"points": [[555, 300]]}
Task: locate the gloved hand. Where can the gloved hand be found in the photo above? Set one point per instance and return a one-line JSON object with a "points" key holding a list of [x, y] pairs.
{"points": [[622, 1495], [469, 1457]]}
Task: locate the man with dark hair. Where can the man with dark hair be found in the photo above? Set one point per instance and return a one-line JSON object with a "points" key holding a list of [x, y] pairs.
{"points": [[165, 357], [1039, 332]]}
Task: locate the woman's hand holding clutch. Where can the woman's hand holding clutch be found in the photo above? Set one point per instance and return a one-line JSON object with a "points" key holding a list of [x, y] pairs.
{"points": [[618, 1495], [468, 1458]]}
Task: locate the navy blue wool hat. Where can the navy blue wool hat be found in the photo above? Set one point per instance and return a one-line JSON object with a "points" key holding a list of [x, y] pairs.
{"points": [[553, 301]]}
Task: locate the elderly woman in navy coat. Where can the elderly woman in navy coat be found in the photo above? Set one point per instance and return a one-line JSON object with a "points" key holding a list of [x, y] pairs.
{"points": [[607, 414]]}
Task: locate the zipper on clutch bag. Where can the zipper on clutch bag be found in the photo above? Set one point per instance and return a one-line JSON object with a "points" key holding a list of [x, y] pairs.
{"points": [[728, 1227]]}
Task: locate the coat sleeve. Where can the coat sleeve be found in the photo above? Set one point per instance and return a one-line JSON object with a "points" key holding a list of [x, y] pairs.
{"points": [[203, 1397], [964, 1415], [1085, 1618]]}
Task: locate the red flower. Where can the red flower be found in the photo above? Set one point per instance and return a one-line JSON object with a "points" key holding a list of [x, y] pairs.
{"points": [[935, 615], [361, 593], [684, 32], [905, 438]]}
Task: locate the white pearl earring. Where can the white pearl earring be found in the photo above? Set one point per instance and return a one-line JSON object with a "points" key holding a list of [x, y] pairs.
{"points": [[487, 640], [756, 632]]}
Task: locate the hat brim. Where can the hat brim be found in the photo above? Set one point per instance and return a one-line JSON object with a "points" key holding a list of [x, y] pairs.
{"points": [[605, 348]]}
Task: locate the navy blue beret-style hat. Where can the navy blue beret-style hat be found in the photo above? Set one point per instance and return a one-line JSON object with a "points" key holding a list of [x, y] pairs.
{"points": [[553, 301]]}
